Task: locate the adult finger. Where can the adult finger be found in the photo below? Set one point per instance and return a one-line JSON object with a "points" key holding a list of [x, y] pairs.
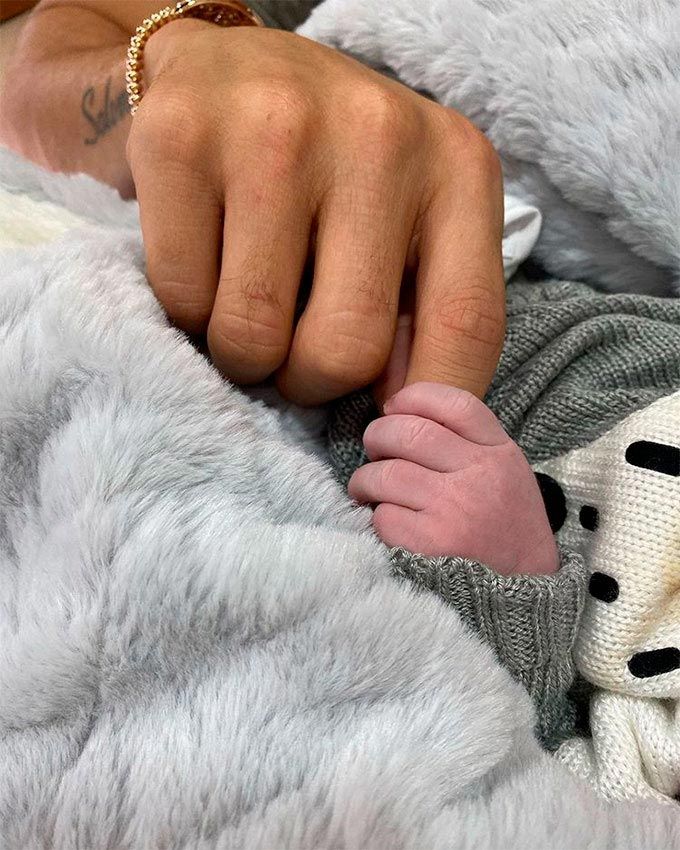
{"points": [[394, 375], [181, 218], [460, 303], [266, 237], [344, 337]]}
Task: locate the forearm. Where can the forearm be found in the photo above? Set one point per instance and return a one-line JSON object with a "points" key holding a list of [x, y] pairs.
{"points": [[63, 104]]}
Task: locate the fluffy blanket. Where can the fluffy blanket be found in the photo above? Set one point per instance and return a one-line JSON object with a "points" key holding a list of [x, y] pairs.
{"points": [[201, 643], [579, 98]]}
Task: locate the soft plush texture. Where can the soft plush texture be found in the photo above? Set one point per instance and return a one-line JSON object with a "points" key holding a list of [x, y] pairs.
{"points": [[202, 644], [579, 98]]}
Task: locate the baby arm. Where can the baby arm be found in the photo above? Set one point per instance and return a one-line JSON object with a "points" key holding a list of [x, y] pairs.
{"points": [[446, 479]]}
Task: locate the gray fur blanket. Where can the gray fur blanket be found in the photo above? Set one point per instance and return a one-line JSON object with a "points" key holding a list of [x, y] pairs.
{"points": [[580, 99], [201, 643]]}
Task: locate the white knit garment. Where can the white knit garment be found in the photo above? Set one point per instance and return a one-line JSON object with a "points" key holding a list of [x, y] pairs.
{"points": [[631, 477]]}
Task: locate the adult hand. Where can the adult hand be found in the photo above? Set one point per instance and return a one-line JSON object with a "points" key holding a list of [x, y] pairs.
{"points": [[252, 148]]}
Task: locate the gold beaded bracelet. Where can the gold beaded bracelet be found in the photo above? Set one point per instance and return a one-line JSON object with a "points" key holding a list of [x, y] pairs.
{"points": [[229, 13]]}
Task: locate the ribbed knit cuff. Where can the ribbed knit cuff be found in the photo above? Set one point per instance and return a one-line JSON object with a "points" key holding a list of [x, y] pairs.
{"points": [[529, 621]]}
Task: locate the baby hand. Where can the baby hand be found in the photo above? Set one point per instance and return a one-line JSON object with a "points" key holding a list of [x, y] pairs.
{"points": [[448, 480]]}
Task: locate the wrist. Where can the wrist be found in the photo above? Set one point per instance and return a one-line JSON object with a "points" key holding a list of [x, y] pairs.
{"points": [[171, 42], [227, 14]]}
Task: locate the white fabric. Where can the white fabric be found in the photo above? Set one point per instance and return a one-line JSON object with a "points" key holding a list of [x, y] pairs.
{"points": [[635, 748], [636, 730], [521, 230]]}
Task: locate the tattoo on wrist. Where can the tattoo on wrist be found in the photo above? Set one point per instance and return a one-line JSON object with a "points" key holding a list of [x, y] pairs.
{"points": [[104, 118]]}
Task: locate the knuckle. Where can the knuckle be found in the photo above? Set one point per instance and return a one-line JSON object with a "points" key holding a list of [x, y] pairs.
{"points": [[482, 151], [460, 138], [390, 472], [474, 315], [276, 114], [449, 130], [167, 128], [417, 431], [379, 112], [250, 344], [349, 359], [481, 159], [260, 296]]}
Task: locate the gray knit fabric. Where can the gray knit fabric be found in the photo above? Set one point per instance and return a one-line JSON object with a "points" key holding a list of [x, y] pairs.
{"points": [[530, 621], [347, 421], [575, 363]]}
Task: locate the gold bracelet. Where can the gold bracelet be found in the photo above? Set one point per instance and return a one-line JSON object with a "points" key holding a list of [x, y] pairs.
{"points": [[228, 13]]}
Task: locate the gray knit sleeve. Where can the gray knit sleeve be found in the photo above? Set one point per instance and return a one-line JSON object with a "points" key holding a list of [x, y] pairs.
{"points": [[529, 621]]}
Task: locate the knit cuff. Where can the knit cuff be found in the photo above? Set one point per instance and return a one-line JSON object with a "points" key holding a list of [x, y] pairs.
{"points": [[529, 621]]}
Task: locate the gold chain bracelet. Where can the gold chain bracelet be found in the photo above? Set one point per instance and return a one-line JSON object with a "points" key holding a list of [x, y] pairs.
{"points": [[229, 13]]}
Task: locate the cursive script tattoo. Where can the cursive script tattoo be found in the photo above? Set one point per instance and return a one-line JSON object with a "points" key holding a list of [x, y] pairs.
{"points": [[103, 120]]}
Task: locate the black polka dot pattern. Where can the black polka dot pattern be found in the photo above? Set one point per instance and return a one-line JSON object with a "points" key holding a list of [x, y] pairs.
{"points": [[554, 501], [589, 517], [603, 587], [655, 456], [655, 662]]}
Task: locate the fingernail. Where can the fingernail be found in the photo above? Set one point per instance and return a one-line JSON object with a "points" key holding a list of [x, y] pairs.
{"points": [[388, 404]]}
